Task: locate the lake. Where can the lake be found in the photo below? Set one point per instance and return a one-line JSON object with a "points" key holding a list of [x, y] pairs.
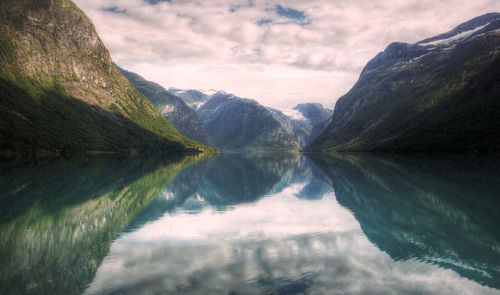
{"points": [[257, 223]]}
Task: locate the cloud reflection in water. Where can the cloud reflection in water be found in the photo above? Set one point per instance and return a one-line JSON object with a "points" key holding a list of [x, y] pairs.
{"points": [[279, 243]]}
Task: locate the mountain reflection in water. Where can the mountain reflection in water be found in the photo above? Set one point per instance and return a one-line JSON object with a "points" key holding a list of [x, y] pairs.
{"points": [[253, 224]]}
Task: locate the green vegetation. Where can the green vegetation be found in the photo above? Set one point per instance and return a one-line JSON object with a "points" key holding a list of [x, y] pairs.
{"points": [[33, 116], [61, 93]]}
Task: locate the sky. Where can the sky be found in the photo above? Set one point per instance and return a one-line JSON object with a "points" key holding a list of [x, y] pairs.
{"points": [[279, 53]]}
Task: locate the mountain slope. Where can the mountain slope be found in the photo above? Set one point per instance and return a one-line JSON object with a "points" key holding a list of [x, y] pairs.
{"points": [[438, 94], [61, 92], [305, 121], [317, 116], [236, 123], [170, 106], [299, 128]]}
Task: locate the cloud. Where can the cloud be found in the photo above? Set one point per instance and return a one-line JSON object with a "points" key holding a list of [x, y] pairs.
{"points": [[277, 52]]}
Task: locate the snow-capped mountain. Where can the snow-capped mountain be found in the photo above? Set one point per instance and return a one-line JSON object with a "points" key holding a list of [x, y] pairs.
{"points": [[471, 29], [302, 120], [437, 94], [194, 98]]}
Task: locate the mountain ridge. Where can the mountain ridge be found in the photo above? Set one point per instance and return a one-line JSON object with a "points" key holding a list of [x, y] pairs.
{"points": [[412, 97], [235, 123], [183, 117]]}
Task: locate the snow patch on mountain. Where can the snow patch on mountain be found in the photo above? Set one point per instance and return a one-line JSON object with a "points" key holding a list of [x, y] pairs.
{"points": [[294, 115], [455, 38]]}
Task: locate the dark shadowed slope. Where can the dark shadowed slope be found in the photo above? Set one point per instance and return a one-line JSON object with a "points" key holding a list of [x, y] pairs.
{"points": [[172, 107], [439, 94]]}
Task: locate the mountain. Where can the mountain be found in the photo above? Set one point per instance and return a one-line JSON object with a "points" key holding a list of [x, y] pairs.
{"points": [[314, 112], [194, 98], [319, 129], [238, 123], [438, 94], [302, 120], [61, 92], [298, 127], [172, 107]]}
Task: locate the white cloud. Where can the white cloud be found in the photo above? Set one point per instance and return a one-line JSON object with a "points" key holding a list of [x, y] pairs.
{"points": [[218, 43]]}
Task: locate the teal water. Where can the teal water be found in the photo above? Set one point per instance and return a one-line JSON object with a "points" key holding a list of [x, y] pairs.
{"points": [[252, 224]]}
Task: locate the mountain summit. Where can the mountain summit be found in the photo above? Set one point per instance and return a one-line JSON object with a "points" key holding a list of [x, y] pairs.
{"points": [[441, 93], [473, 27]]}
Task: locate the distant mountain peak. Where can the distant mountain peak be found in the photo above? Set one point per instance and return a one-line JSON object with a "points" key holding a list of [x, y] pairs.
{"points": [[222, 93], [193, 97], [313, 112], [317, 104], [233, 122]]}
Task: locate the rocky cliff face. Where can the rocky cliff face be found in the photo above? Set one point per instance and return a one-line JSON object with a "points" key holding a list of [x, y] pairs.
{"points": [[437, 94], [60, 90], [236, 123], [171, 107]]}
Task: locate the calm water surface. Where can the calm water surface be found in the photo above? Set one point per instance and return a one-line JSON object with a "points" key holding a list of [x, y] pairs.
{"points": [[252, 224]]}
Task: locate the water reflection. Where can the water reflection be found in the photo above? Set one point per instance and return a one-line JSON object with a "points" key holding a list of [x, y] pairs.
{"points": [[285, 225], [253, 224], [441, 210], [58, 218]]}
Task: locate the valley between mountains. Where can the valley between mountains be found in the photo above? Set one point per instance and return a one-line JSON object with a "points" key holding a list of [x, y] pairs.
{"points": [[62, 93]]}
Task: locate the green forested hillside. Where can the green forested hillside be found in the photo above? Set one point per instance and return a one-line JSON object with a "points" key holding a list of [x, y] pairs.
{"points": [[61, 92]]}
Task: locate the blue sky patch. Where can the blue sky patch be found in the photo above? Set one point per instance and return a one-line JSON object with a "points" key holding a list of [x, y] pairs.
{"points": [[264, 21], [115, 9], [284, 15], [156, 1], [291, 14]]}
